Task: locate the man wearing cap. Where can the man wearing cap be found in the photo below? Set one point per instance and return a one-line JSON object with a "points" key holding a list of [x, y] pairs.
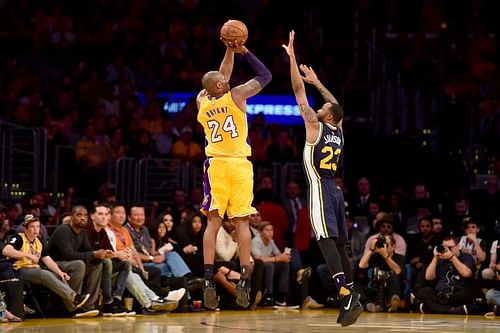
{"points": [[385, 226], [27, 249]]}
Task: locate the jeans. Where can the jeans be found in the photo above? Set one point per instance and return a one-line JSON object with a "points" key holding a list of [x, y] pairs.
{"points": [[493, 296], [173, 265], [122, 270], [52, 282], [139, 290], [279, 271]]}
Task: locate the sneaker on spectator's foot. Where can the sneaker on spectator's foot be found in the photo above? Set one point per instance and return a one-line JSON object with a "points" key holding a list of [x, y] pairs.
{"points": [[210, 298], [458, 310], [283, 303], [303, 274], [114, 309], [175, 295], [268, 302], [373, 307], [243, 293], [80, 300], [394, 303], [310, 303], [350, 309], [162, 305], [85, 313]]}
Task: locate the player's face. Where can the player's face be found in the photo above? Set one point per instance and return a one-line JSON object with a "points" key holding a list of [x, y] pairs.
{"points": [[324, 111], [224, 83]]}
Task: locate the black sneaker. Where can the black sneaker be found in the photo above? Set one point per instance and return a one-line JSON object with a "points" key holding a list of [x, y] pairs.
{"points": [[350, 309], [80, 300], [85, 313], [114, 309], [210, 298], [243, 293]]}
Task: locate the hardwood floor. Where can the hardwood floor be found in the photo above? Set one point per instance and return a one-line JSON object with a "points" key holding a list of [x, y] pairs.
{"points": [[266, 321]]}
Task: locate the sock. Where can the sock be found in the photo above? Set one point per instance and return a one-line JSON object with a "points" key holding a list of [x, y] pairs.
{"points": [[344, 291], [244, 272], [339, 279], [209, 271]]}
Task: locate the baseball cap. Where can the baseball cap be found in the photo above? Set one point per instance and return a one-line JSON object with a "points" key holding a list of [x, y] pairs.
{"points": [[29, 218]]}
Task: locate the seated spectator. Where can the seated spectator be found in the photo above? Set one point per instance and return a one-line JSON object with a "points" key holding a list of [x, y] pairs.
{"points": [[69, 247], [28, 251], [384, 225], [470, 243], [186, 148], [137, 283], [116, 263], [493, 270], [276, 265], [190, 236], [452, 270], [170, 264], [420, 252], [387, 267]]}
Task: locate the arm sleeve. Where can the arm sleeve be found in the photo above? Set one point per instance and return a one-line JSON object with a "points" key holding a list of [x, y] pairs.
{"points": [[262, 74]]}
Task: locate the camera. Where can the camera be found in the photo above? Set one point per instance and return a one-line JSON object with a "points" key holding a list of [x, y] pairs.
{"points": [[381, 241], [440, 249]]}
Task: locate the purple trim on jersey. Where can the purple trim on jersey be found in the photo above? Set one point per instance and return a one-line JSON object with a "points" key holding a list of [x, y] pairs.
{"points": [[207, 189]]}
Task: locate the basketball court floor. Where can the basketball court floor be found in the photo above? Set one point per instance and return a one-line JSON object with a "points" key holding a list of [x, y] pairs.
{"points": [[266, 321]]}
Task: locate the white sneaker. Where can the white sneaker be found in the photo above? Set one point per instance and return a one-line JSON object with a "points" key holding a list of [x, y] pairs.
{"points": [[175, 295]]}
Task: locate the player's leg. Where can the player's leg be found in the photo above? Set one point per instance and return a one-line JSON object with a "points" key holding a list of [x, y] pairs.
{"points": [[240, 208]]}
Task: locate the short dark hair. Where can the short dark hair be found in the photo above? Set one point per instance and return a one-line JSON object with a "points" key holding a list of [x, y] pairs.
{"points": [[264, 224], [337, 112]]}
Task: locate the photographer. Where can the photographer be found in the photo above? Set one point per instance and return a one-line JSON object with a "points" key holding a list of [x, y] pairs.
{"points": [[452, 272], [387, 267]]}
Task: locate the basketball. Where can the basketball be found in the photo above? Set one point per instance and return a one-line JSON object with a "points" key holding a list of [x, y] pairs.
{"points": [[234, 30]]}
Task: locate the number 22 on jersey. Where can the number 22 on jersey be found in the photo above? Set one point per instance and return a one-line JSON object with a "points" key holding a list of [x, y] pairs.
{"points": [[326, 162], [228, 127]]}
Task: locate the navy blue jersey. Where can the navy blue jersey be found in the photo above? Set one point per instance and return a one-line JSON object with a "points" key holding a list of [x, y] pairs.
{"points": [[325, 199], [322, 156]]}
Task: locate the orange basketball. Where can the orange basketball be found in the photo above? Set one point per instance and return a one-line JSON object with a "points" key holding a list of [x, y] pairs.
{"points": [[234, 30]]}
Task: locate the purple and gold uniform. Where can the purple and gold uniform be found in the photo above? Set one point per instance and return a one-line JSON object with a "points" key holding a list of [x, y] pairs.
{"points": [[228, 174]]}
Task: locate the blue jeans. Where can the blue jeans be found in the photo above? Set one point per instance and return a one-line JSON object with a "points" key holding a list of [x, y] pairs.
{"points": [[493, 297], [173, 265], [122, 270]]}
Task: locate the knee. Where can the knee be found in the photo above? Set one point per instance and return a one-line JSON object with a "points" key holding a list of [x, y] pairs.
{"points": [[488, 274]]}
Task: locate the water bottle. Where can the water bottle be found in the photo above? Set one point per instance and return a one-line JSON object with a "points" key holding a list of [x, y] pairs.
{"points": [[3, 309]]}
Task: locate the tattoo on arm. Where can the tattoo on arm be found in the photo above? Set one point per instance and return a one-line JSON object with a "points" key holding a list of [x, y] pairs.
{"points": [[327, 95], [308, 113]]}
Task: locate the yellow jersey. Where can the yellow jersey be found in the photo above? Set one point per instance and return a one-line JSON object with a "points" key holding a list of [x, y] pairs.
{"points": [[225, 126]]}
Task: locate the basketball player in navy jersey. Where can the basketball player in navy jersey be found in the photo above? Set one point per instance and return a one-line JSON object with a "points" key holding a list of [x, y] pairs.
{"points": [[324, 143]]}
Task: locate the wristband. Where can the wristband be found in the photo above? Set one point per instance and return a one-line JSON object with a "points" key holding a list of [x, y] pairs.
{"points": [[150, 258]]}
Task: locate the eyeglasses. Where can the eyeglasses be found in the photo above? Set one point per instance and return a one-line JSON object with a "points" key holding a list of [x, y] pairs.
{"points": [[386, 226]]}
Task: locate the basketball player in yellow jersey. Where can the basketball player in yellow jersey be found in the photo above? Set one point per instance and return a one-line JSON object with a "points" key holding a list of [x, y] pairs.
{"points": [[228, 174]]}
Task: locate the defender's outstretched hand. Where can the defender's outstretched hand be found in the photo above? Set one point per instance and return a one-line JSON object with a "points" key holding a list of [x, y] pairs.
{"points": [[289, 48], [310, 74]]}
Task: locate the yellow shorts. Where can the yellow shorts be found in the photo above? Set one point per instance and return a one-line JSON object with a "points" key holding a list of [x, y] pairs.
{"points": [[228, 186]]}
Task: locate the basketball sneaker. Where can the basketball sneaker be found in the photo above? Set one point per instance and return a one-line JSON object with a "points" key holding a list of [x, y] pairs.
{"points": [[243, 293], [350, 309], [210, 294]]}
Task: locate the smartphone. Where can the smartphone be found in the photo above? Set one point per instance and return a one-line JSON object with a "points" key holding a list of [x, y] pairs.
{"points": [[288, 250]]}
